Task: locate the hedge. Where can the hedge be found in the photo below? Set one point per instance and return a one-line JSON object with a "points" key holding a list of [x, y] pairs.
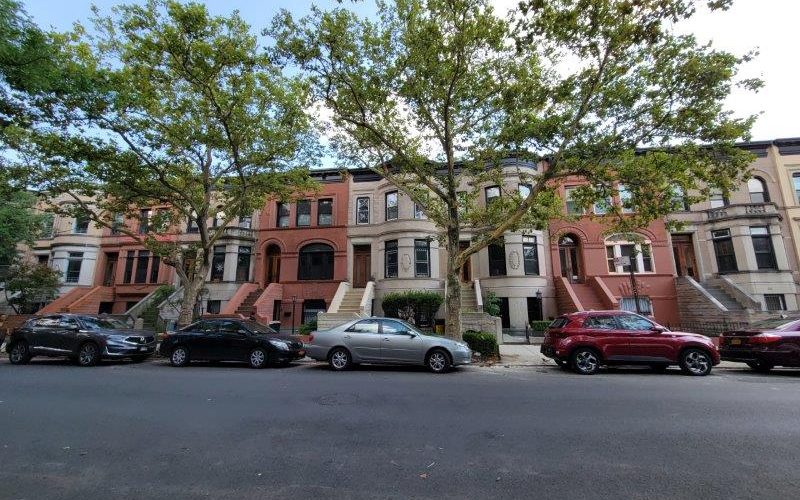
{"points": [[482, 342], [307, 328], [540, 326], [416, 306]]}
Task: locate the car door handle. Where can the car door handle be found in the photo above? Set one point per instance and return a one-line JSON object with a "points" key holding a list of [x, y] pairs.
{"points": [[346, 336], [386, 339]]}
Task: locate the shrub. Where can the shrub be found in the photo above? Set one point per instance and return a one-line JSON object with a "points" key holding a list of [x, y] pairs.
{"points": [[491, 305], [539, 326], [482, 342], [415, 306], [307, 328]]}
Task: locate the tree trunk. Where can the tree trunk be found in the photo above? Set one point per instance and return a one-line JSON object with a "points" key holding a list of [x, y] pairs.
{"points": [[191, 290], [452, 299]]}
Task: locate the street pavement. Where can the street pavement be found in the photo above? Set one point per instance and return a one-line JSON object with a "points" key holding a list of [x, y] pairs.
{"points": [[226, 431]]}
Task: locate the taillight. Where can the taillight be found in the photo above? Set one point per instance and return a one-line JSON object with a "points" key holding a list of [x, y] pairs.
{"points": [[764, 338]]}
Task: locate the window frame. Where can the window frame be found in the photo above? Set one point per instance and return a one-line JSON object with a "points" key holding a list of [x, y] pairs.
{"points": [[530, 242], [218, 252], [717, 242], [499, 249], [643, 260], [366, 199], [391, 247], [283, 214], [422, 244], [305, 268], [491, 199], [771, 262], [570, 204], [779, 296], [328, 202], [395, 206], [762, 184], [72, 275], [305, 211]]}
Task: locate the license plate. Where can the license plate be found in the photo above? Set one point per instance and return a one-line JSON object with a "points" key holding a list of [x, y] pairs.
{"points": [[143, 348], [736, 341]]}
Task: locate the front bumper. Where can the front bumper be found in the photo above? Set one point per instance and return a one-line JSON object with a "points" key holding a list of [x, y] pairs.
{"points": [[548, 350], [462, 357], [288, 356], [115, 351]]}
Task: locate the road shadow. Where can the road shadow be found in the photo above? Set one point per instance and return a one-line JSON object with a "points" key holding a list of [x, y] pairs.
{"points": [[66, 362], [378, 368]]}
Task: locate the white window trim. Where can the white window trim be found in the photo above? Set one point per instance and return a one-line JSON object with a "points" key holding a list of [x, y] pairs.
{"points": [[617, 245]]}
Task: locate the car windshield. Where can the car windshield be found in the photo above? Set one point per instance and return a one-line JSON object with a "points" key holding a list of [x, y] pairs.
{"points": [[774, 324], [258, 327], [103, 323]]}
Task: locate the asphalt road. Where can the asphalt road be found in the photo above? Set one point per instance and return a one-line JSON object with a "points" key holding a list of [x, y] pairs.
{"points": [[153, 431]]}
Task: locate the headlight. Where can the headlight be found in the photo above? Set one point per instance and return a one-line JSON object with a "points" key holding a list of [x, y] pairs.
{"points": [[280, 344], [462, 346]]}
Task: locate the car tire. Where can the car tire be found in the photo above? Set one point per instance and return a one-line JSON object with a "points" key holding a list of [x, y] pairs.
{"points": [[179, 356], [438, 361], [659, 368], [585, 361], [760, 366], [88, 354], [696, 362], [340, 359], [563, 364], [257, 358], [19, 354]]}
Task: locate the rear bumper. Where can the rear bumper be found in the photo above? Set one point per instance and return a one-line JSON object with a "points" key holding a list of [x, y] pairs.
{"points": [[317, 352], [750, 355]]}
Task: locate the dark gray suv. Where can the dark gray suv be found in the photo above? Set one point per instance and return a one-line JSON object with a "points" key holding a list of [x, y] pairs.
{"points": [[83, 338]]}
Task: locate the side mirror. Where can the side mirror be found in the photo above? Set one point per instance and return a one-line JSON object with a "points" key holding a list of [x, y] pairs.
{"points": [[658, 329], [410, 334]]}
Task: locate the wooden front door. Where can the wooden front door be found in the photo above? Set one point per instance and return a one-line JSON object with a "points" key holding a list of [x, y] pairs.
{"points": [[569, 255], [109, 276], [273, 266], [683, 251], [466, 269], [362, 266]]}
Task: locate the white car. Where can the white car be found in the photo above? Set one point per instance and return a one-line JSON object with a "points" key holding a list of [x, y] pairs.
{"points": [[385, 341]]}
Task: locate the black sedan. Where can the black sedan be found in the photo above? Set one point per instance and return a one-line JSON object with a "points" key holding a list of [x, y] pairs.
{"points": [[82, 338], [230, 340], [765, 345]]}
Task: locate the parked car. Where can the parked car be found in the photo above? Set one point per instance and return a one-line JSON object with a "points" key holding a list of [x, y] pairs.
{"points": [[385, 341], [586, 340], [770, 343], [84, 338], [230, 340]]}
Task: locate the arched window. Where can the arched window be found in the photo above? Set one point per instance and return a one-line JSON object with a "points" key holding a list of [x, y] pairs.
{"points": [[316, 262], [758, 190]]}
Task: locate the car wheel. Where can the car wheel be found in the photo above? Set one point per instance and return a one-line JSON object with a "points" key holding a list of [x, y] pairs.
{"points": [[585, 361], [19, 353], [340, 359], [659, 368], [89, 354], [562, 363], [438, 361], [696, 362], [179, 356], [760, 366], [258, 358]]}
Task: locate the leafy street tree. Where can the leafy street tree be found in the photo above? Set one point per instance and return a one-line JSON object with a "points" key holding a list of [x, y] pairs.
{"points": [[433, 92], [18, 223], [29, 285], [173, 108]]}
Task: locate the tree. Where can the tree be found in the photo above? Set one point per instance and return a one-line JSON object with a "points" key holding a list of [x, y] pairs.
{"points": [[434, 92], [29, 285], [173, 108], [18, 223]]}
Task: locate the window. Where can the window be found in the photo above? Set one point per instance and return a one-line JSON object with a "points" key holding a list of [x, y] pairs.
{"points": [[497, 259], [422, 258], [316, 262], [81, 224], [717, 200], [625, 199], [154, 269], [419, 213], [141, 266], [303, 213], [74, 261], [638, 254], [43, 259], [530, 255], [325, 212], [283, 215], [463, 203], [243, 264], [391, 205], [47, 225], [679, 198], [572, 206], [758, 190], [276, 310], [633, 322], [246, 221], [390, 258], [213, 306], [492, 194], [129, 258], [364, 326], [762, 246], [218, 263], [629, 304], [191, 224], [311, 307], [723, 250], [524, 190], [796, 182], [600, 323], [391, 327], [775, 301], [601, 207], [505, 313], [117, 223], [144, 220], [362, 210]]}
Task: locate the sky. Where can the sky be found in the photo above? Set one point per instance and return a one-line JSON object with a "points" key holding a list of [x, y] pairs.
{"points": [[766, 25]]}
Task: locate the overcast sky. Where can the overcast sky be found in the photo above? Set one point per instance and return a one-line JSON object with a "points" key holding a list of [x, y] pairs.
{"points": [[767, 25]]}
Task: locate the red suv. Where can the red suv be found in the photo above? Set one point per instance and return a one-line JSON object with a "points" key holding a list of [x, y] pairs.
{"points": [[586, 340]]}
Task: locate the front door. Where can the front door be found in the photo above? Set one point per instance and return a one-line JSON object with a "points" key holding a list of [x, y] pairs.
{"points": [[399, 345], [466, 269], [364, 340], [273, 274], [683, 251], [361, 265], [569, 256], [109, 276]]}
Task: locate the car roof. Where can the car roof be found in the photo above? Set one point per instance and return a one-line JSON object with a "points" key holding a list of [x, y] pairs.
{"points": [[611, 312]]}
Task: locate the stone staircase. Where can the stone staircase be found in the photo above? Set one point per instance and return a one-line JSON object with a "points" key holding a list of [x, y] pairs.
{"points": [[588, 297], [351, 303], [723, 297], [469, 302], [247, 307]]}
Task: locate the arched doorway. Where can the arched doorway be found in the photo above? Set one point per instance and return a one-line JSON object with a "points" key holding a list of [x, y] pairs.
{"points": [[569, 256], [273, 264]]}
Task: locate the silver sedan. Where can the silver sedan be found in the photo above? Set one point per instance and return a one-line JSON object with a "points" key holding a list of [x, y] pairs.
{"points": [[385, 341]]}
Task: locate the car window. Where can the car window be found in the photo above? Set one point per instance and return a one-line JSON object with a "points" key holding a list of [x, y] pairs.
{"points": [[231, 327], [560, 322], [47, 322], [365, 326], [600, 322], [67, 323], [205, 327], [391, 327], [633, 322], [256, 327], [103, 323]]}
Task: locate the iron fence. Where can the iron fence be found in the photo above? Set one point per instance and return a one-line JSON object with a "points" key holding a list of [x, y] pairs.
{"points": [[709, 328], [521, 335]]}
